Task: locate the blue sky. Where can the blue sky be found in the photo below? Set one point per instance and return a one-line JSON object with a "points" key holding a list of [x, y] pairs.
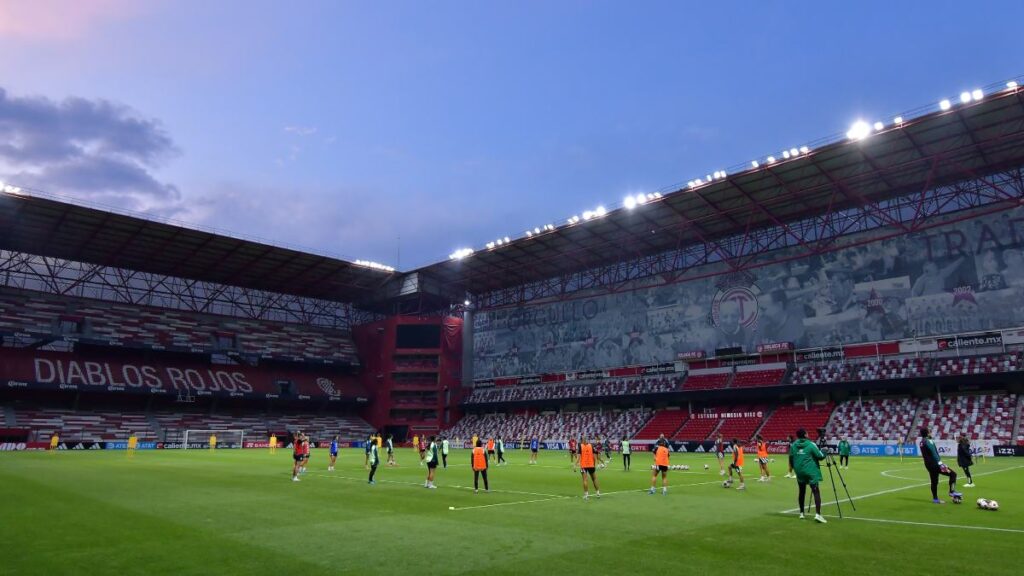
{"points": [[342, 126]]}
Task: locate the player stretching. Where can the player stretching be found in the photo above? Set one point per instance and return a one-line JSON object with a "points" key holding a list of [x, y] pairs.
{"points": [[372, 458], [935, 468], [334, 453], [588, 466], [805, 456], [534, 447], [296, 456], [431, 460], [660, 466], [720, 454], [737, 465], [479, 462], [389, 444], [762, 459]]}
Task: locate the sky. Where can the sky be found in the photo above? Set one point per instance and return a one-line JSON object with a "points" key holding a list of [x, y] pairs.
{"points": [[400, 131]]}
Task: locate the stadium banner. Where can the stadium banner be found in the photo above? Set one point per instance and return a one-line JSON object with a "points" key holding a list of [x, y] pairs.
{"points": [[200, 445], [124, 445], [983, 340], [19, 446], [80, 446], [693, 355], [948, 448], [42, 370], [774, 347], [962, 274], [880, 449], [1008, 450]]}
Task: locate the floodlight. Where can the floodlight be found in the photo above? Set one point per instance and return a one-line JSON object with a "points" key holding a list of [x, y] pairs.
{"points": [[945, 105]]}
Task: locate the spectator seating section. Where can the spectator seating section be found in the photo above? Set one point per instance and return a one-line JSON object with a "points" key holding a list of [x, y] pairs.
{"points": [[707, 379], [884, 419], [984, 416], [159, 328], [619, 387], [551, 426], [758, 376], [697, 428], [741, 427], [664, 422], [784, 421], [993, 364]]}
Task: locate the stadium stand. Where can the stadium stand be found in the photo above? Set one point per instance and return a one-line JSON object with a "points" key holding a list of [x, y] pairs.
{"points": [[820, 373], [697, 428], [785, 420], [1011, 362], [663, 422], [884, 419], [985, 416], [759, 376], [707, 379], [164, 329], [551, 426], [621, 387], [746, 422]]}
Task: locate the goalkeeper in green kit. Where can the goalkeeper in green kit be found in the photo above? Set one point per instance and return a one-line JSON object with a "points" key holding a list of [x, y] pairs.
{"points": [[806, 457]]}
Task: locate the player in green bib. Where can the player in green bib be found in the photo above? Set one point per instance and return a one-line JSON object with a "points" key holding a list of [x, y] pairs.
{"points": [[844, 453], [806, 457]]}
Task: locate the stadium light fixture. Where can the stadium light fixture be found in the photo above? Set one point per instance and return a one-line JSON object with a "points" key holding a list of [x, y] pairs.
{"points": [[771, 159], [629, 202], [491, 245], [1012, 85], [859, 130], [587, 214], [754, 164], [507, 240], [549, 226], [600, 212], [879, 126], [945, 105], [965, 97], [536, 230], [467, 302], [708, 178], [805, 150], [461, 253], [657, 194], [785, 154], [898, 120], [374, 265], [977, 94], [641, 198], [794, 152]]}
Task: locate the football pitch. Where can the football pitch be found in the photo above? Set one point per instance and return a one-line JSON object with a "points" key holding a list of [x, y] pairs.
{"points": [[238, 512]]}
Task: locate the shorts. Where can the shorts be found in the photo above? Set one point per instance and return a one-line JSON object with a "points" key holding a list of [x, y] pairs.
{"points": [[490, 451], [534, 450], [297, 457], [334, 454], [390, 451], [588, 470], [762, 460], [735, 467], [662, 468], [813, 480], [720, 455], [431, 465]]}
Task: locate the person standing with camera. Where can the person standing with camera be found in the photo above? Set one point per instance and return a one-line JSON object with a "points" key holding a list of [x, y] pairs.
{"points": [[806, 464]]}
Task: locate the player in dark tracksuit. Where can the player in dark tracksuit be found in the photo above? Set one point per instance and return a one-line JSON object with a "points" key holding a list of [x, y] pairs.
{"points": [[936, 468], [964, 458]]}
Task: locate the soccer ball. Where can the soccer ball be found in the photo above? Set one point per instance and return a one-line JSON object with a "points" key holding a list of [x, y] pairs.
{"points": [[993, 505], [706, 467], [726, 484], [982, 503]]}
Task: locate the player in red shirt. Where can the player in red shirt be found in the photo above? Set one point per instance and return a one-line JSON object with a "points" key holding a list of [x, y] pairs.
{"points": [[572, 450], [296, 455]]}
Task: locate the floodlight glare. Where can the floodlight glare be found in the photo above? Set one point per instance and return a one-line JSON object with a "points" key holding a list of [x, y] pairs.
{"points": [[587, 214], [600, 211], [858, 131], [641, 199], [794, 152], [657, 194], [466, 302], [897, 120], [771, 159], [879, 126], [785, 154], [804, 150], [1012, 84], [754, 164], [977, 94], [965, 97]]}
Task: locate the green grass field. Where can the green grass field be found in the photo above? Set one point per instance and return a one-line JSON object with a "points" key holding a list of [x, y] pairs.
{"points": [[237, 512]]}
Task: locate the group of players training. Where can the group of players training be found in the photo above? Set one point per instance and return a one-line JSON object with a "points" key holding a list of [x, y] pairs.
{"points": [[804, 461]]}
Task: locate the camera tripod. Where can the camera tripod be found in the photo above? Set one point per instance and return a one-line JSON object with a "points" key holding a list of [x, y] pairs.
{"points": [[830, 461]]}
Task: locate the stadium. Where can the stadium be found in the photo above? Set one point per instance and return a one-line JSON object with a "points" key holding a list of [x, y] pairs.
{"points": [[159, 381]]}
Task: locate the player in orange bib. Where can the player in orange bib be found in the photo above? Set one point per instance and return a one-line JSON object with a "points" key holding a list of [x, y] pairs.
{"points": [[587, 462], [660, 465], [737, 465], [762, 459], [479, 462], [490, 448]]}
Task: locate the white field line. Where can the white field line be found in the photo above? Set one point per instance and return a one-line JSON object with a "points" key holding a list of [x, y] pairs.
{"points": [[900, 489], [594, 496], [929, 524], [420, 484]]}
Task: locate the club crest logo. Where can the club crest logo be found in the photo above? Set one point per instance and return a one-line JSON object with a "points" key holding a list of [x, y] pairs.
{"points": [[735, 303], [327, 386]]}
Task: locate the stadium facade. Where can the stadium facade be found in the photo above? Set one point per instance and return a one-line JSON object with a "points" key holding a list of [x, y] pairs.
{"points": [[888, 264]]}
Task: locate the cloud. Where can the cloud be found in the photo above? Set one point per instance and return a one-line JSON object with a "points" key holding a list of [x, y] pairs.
{"points": [[300, 130], [61, 20], [90, 149]]}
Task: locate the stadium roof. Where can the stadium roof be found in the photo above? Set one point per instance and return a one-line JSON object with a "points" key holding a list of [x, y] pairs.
{"points": [[898, 157], [48, 227]]}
